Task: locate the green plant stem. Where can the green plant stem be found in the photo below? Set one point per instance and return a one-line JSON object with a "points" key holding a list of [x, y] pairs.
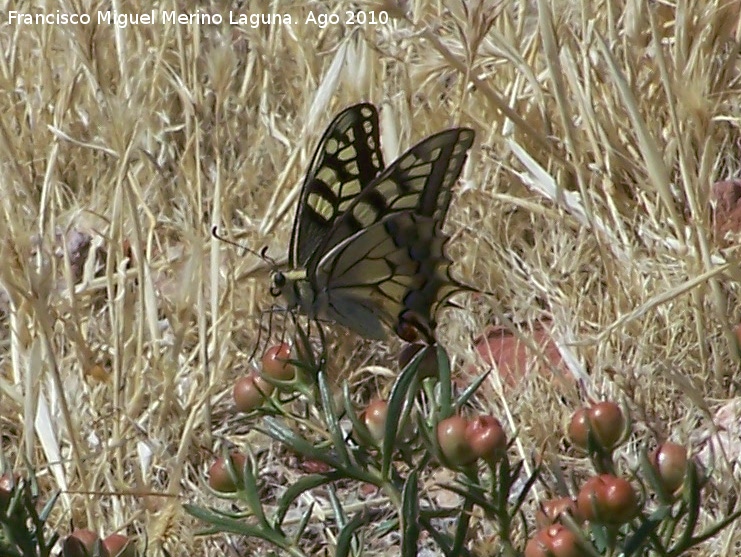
{"points": [[706, 535], [461, 530], [390, 490]]}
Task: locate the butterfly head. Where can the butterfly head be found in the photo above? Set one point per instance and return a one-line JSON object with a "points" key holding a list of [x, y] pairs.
{"points": [[277, 283], [294, 288]]}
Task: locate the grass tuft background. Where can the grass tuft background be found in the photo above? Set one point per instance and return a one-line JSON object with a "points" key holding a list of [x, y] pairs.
{"points": [[585, 205]]}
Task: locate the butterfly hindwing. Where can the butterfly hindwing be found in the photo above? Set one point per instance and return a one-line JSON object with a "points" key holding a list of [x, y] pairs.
{"points": [[394, 268], [419, 181], [347, 159]]}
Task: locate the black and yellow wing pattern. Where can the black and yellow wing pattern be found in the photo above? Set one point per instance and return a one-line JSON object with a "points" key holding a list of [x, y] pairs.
{"points": [[367, 249]]}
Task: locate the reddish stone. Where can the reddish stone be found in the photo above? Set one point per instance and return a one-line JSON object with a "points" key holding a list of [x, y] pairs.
{"points": [[513, 359]]}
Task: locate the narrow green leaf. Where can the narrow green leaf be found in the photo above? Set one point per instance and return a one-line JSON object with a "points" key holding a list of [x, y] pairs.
{"points": [[344, 540], [296, 489], [220, 523], [330, 417], [245, 478], [304, 523], [410, 515], [641, 537], [691, 494], [525, 492], [339, 512], [48, 506], [360, 431], [470, 390], [506, 479], [443, 540], [601, 538], [446, 385], [652, 476], [273, 428], [475, 495], [426, 433], [386, 527], [713, 530], [397, 401], [6, 549]]}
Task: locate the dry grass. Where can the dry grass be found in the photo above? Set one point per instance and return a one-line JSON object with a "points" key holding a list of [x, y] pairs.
{"points": [[600, 129]]}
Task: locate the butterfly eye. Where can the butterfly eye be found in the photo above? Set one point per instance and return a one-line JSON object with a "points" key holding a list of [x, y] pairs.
{"points": [[279, 281]]}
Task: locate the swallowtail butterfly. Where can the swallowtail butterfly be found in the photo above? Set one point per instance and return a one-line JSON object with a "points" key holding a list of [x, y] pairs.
{"points": [[367, 247]]}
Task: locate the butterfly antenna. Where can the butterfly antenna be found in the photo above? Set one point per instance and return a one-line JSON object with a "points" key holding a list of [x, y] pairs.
{"points": [[265, 257], [262, 254]]}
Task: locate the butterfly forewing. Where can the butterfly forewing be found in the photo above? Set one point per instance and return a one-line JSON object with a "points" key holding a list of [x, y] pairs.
{"points": [[419, 181], [347, 159]]}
